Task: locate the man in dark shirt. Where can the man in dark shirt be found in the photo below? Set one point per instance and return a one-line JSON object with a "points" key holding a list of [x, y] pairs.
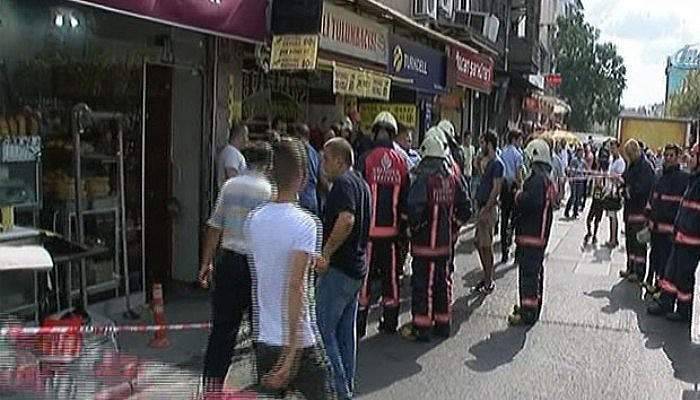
{"points": [[487, 200], [342, 266]]}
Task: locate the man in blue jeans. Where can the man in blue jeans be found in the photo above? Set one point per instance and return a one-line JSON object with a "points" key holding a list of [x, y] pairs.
{"points": [[342, 266]]}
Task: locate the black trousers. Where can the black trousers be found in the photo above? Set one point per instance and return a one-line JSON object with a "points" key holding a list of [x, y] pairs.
{"points": [[680, 273], [383, 258], [431, 295], [636, 251], [659, 255], [310, 377], [230, 299], [531, 281], [507, 206]]}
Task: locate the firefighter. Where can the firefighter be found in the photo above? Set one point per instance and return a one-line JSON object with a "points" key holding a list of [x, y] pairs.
{"points": [[456, 151], [662, 208], [679, 277], [437, 202], [638, 181], [386, 172], [533, 222]]}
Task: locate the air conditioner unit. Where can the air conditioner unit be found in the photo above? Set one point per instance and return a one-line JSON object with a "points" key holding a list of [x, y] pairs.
{"points": [[425, 9], [445, 9], [491, 26]]}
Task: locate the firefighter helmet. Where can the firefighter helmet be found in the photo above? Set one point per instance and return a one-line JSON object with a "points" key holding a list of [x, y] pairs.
{"points": [[432, 146], [439, 134], [447, 127], [538, 151], [387, 121]]}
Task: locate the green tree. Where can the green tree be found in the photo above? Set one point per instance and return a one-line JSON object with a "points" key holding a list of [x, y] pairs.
{"points": [[593, 73], [686, 103]]}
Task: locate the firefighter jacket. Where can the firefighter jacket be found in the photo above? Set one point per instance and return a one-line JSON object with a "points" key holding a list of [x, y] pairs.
{"points": [[687, 223], [639, 179], [533, 208], [665, 199], [437, 201], [386, 173]]}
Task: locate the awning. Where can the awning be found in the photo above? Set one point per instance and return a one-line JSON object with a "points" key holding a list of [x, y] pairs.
{"points": [[243, 20]]}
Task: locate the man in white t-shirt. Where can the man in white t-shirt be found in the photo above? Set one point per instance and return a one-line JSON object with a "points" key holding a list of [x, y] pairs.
{"points": [[231, 161], [615, 171], [284, 244]]}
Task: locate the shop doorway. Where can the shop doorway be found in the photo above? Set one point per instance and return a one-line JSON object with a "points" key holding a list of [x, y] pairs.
{"points": [[172, 143]]}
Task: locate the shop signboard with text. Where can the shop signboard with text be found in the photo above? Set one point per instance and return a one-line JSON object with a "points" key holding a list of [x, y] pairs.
{"points": [[421, 64], [347, 33], [240, 18], [471, 69], [359, 83], [406, 114], [294, 52]]}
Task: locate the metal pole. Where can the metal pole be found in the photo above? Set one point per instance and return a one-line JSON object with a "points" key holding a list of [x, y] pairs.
{"points": [[129, 313], [78, 112]]}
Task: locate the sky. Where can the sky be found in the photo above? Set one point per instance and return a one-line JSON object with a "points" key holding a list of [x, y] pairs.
{"points": [[645, 32]]}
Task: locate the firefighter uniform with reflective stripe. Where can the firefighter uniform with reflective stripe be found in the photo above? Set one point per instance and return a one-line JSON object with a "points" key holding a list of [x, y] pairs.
{"points": [[533, 223], [639, 179], [662, 208], [679, 278], [386, 173], [437, 202]]}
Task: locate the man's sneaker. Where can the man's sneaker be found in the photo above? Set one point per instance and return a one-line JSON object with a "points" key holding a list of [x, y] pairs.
{"points": [[486, 290], [625, 274], [478, 286]]}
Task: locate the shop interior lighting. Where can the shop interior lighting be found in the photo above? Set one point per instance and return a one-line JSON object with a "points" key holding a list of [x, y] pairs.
{"points": [[58, 20], [73, 21]]}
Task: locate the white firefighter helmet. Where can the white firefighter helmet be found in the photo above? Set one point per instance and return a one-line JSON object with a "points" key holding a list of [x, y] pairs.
{"points": [[432, 146], [538, 151], [438, 133], [447, 127], [386, 120]]}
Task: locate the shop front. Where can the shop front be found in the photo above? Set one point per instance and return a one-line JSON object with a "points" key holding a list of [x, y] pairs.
{"points": [[471, 78], [120, 96], [420, 73]]}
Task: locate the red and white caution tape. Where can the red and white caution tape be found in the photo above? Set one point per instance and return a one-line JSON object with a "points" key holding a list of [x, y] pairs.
{"points": [[101, 330]]}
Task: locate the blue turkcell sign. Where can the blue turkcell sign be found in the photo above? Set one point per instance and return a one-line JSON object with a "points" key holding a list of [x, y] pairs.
{"points": [[422, 64]]}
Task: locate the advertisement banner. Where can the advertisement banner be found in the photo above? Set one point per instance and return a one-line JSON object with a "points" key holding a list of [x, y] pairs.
{"points": [[425, 66], [345, 32], [240, 18], [471, 69], [354, 82], [406, 114], [294, 52]]}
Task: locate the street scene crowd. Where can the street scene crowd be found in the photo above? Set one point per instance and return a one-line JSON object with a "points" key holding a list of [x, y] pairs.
{"points": [[313, 227]]}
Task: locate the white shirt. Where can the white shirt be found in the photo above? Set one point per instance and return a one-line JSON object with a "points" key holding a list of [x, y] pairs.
{"points": [[276, 230], [468, 159], [237, 198], [230, 157], [616, 168]]}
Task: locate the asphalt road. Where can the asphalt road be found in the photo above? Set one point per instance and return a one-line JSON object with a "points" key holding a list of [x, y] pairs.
{"points": [[594, 340]]}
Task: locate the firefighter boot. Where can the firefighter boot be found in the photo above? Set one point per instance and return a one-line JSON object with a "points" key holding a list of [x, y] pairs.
{"points": [[390, 321], [662, 306], [682, 313]]}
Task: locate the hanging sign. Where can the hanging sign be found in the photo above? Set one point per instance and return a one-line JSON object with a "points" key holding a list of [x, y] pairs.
{"points": [[344, 32], [294, 52], [471, 69], [354, 82], [425, 66], [405, 114]]}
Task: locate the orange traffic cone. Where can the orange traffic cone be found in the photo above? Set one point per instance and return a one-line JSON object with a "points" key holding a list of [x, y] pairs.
{"points": [[160, 339]]}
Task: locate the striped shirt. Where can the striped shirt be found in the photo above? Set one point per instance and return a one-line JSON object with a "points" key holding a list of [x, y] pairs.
{"points": [[238, 197]]}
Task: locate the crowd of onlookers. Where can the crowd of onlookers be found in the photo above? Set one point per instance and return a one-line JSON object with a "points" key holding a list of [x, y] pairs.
{"points": [[314, 224]]}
